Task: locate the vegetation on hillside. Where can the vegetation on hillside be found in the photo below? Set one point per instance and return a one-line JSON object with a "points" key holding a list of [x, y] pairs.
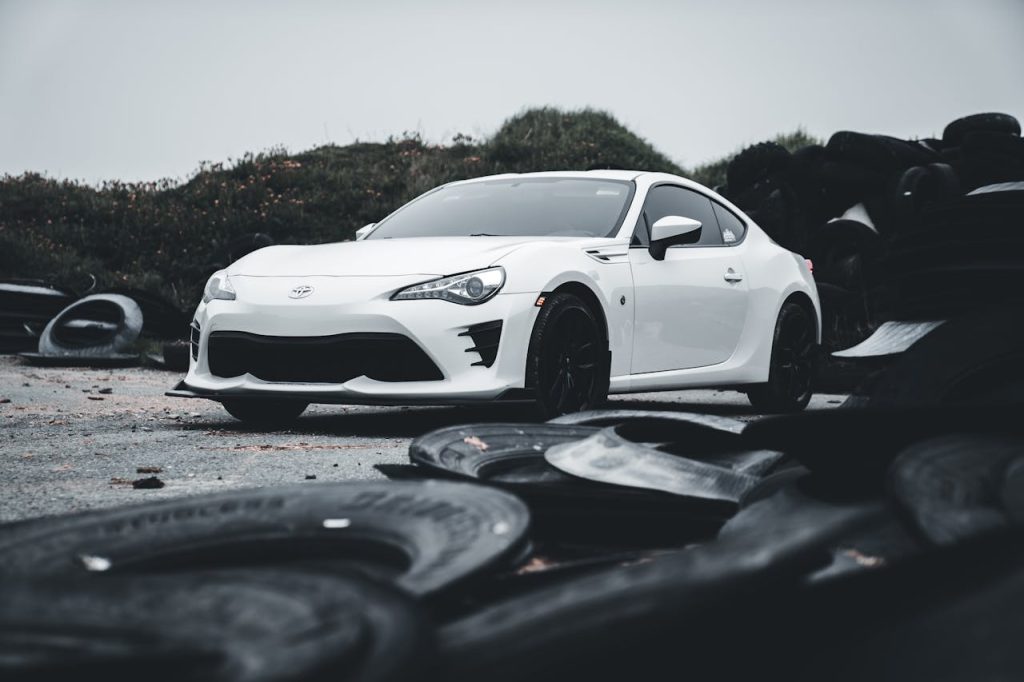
{"points": [[167, 237]]}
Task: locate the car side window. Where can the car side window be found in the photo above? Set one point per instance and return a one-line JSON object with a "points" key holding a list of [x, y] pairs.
{"points": [[733, 228], [641, 233], [664, 200]]}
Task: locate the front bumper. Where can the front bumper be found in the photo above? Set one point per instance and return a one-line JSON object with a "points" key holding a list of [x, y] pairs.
{"points": [[344, 305]]}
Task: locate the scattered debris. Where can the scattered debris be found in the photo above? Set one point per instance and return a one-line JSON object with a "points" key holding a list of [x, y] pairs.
{"points": [[106, 391], [310, 477], [150, 483], [149, 470]]}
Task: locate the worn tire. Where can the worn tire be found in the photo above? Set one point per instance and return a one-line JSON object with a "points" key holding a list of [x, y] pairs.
{"points": [[567, 364], [426, 536], [956, 131], [250, 626], [95, 326]]}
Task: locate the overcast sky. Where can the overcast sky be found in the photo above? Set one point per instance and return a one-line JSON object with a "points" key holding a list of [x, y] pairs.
{"points": [[137, 90]]}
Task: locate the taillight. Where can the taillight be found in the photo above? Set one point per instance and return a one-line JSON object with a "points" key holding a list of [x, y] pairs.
{"points": [[810, 265]]}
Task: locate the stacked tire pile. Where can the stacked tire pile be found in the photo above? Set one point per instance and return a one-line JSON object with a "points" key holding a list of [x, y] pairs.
{"points": [[882, 542], [897, 229]]}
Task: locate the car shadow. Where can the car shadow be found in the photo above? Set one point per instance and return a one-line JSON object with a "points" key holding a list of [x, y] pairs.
{"points": [[409, 422]]}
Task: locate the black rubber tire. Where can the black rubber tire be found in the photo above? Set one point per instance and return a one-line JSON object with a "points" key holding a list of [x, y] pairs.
{"points": [[265, 412], [567, 364], [853, 448], [956, 131], [876, 152], [756, 163], [628, 622], [611, 457], [953, 486], [921, 186], [649, 418], [117, 320], [790, 382], [161, 319], [26, 306], [564, 508], [250, 626], [427, 536], [176, 356], [845, 253], [977, 358]]}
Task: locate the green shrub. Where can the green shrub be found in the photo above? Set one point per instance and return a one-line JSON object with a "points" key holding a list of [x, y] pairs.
{"points": [[167, 237]]}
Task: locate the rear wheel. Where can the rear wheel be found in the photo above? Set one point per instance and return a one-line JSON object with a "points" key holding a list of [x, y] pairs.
{"points": [[265, 412], [790, 382], [567, 364]]}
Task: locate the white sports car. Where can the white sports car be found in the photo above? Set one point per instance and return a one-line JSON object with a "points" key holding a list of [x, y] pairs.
{"points": [[557, 288]]}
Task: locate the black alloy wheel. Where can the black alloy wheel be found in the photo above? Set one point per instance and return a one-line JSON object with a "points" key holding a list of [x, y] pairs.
{"points": [[794, 358], [568, 359]]}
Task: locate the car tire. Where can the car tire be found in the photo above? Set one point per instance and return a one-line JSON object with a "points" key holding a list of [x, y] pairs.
{"points": [[427, 537], [790, 382], [956, 131], [252, 626], [265, 412], [95, 326], [567, 364]]}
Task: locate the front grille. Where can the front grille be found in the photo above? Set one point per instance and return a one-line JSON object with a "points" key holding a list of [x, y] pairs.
{"points": [[486, 336], [193, 339], [320, 359]]}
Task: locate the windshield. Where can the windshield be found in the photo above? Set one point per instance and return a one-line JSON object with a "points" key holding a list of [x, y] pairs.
{"points": [[514, 207]]}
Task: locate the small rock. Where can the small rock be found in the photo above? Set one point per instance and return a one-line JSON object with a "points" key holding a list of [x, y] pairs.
{"points": [[105, 391], [4, 401], [94, 397], [335, 466], [310, 477], [148, 470], [150, 483], [220, 478]]}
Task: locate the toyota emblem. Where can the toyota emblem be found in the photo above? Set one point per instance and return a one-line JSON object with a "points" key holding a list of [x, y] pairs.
{"points": [[301, 291]]}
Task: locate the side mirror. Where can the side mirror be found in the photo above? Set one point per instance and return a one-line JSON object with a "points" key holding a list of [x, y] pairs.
{"points": [[672, 230], [364, 230]]}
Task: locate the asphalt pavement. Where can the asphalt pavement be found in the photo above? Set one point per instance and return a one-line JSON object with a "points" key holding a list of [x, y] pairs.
{"points": [[74, 439]]}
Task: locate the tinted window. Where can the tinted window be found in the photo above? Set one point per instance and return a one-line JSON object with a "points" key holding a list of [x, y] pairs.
{"points": [[733, 228], [641, 235], [666, 200], [550, 207]]}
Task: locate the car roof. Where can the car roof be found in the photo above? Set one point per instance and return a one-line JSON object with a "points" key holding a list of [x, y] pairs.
{"points": [[599, 174]]}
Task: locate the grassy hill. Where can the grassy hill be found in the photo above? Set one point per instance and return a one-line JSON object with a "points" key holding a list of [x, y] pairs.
{"points": [[167, 237]]}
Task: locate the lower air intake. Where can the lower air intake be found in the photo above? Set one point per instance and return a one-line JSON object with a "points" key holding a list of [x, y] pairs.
{"points": [[320, 359]]}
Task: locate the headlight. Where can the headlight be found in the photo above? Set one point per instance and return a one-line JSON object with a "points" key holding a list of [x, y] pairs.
{"points": [[469, 288], [219, 286]]}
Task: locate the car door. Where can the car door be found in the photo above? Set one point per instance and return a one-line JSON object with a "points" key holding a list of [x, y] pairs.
{"points": [[690, 307]]}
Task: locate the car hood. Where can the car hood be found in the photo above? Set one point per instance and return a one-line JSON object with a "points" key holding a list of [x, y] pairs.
{"points": [[434, 256]]}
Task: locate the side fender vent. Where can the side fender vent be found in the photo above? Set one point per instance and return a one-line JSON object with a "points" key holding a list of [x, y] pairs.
{"points": [[485, 336]]}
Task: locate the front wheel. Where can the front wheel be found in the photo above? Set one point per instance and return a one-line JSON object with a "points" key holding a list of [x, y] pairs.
{"points": [[265, 413], [567, 364], [794, 358]]}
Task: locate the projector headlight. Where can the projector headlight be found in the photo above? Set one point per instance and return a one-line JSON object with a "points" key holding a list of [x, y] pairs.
{"points": [[219, 286], [469, 288]]}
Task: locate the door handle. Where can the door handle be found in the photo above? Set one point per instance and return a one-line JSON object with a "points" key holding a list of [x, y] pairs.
{"points": [[733, 276]]}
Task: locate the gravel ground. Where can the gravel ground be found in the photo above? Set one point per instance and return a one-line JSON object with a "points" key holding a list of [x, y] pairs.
{"points": [[74, 439]]}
